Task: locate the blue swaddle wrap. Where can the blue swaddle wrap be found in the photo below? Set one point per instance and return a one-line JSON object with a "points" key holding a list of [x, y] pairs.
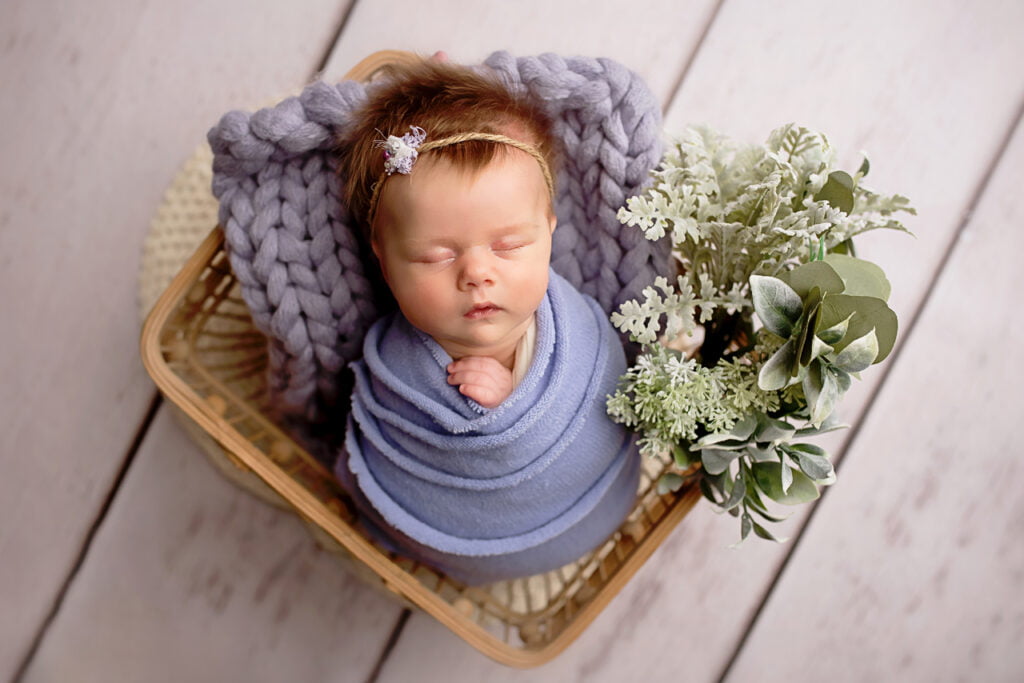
{"points": [[490, 494]]}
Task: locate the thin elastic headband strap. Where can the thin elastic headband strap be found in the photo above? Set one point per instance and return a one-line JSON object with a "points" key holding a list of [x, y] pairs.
{"points": [[467, 137]]}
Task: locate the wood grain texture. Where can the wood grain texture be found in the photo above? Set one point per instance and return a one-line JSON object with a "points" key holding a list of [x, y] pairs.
{"points": [[656, 44], [933, 138], [192, 579], [914, 570], [922, 87], [102, 101]]}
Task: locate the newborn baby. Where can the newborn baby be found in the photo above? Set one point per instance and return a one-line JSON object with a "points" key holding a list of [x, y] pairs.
{"points": [[477, 440]]}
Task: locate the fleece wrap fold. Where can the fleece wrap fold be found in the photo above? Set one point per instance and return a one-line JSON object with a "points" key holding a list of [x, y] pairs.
{"points": [[491, 494]]}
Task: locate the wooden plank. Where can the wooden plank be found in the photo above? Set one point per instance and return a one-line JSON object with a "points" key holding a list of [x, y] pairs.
{"points": [[933, 136], [192, 579], [912, 83], [915, 568], [101, 103], [657, 44]]}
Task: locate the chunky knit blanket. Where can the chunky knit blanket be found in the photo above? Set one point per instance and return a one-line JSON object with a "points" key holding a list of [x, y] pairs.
{"points": [[491, 494], [303, 270]]}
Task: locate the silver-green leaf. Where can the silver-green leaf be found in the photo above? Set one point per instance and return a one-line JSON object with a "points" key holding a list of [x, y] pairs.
{"points": [[821, 391], [739, 491], [716, 461], [776, 304], [770, 430], [816, 467], [858, 354], [768, 476], [860, 277], [669, 482], [774, 374]]}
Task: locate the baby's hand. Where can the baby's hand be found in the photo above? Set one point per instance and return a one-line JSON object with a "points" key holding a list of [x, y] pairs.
{"points": [[482, 379]]}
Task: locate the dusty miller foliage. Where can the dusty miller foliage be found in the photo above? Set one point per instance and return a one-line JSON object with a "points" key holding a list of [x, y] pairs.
{"points": [[734, 211]]}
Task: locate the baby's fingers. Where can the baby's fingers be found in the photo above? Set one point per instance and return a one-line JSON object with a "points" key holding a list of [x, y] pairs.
{"points": [[479, 363], [487, 396], [476, 377], [482, 379]]}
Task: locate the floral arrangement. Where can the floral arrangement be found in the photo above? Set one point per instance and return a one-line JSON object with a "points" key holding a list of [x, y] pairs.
{"points": [[748, 350]]}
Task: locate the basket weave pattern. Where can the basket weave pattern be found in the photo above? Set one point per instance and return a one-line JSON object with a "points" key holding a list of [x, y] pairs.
{"points": [[204, 352]]}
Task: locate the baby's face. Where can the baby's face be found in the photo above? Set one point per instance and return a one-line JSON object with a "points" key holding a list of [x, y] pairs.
{"points": [[466, 254]]}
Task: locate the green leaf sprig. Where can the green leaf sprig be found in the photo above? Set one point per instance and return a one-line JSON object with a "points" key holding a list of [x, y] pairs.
{"points": [[760, 233]]}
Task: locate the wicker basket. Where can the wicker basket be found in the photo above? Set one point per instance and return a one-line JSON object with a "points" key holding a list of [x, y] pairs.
{"points": [[201, 348]]}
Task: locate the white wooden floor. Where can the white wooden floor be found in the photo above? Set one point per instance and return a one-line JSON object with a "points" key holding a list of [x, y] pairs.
{"points": [[125, 557]]}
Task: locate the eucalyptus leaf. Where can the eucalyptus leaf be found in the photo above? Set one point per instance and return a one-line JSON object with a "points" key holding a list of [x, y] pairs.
{"points": [[669, 482], [845, 247], [716, 461], [744, 428], [805, 342], [843, 380], [819, 348], [682, 456], [865, 166], [746, 524], [758, 454], [837, 191], [865, 313], [768, 477], [763, 513], [821, 391], [739, 491], [717, 482], [835, 333], [722, 440], [787, 476], [860, 277], [814, 466], [776, 304], [707, 490], [808, 448], [765, 534], [755, 503], [858, 354], [771, 430], [831, 424], [807, 276], [774, 374]]}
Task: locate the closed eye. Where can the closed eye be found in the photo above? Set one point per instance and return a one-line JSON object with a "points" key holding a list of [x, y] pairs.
{"points": [[440, 256], [509, 247]]}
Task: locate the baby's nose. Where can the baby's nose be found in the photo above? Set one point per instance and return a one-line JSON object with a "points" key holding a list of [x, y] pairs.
{"points": [[476, 271]]}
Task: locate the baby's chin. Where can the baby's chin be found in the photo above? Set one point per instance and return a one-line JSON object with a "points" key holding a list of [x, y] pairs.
{"points": [[501, 347]]}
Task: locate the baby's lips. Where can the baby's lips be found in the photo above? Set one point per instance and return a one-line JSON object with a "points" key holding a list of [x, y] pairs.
{"points": [[481, 309]]}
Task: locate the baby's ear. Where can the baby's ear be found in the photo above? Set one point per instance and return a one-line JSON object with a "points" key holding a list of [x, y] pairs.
{"points": [[553, 221]]}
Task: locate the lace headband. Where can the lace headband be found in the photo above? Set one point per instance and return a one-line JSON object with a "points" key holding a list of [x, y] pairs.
{"points": [[400, 153]]}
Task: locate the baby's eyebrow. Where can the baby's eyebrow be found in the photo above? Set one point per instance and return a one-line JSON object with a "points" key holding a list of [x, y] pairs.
{"points": [[514, 228], [491, 235]]}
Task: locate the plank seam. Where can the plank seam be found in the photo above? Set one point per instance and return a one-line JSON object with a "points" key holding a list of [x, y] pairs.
{"points": [[976, 197], [329, 50], [136, 442], [678, 85], [83, 551], [396, 633]]}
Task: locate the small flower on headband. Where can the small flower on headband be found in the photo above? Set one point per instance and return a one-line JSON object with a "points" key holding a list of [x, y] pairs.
{"points": [[400, 152]]}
